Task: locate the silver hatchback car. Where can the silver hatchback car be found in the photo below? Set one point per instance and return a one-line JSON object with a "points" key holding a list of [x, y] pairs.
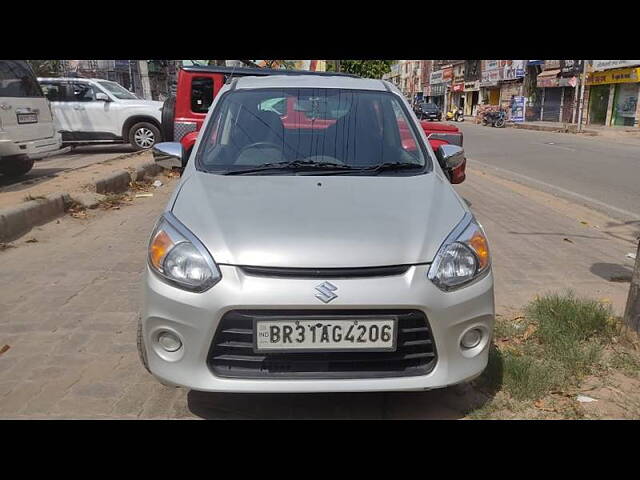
{"points": [[315, 244]]}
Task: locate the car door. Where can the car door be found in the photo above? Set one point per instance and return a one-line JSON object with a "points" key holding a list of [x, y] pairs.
{"points": [[56, 93], [24, 110], [89, 119]]}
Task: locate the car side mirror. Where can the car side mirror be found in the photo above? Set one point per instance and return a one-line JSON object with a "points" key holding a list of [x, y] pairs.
{"points": [[168, 154], [102, 97], [452, 161]]}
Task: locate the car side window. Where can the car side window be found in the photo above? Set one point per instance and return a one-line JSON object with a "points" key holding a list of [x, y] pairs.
{"points": [[82, 92], [17, 80], [55, 92], [201, 94]]}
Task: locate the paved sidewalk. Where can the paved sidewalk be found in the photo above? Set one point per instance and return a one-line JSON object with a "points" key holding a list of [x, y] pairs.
{"points": [[69, 302]]}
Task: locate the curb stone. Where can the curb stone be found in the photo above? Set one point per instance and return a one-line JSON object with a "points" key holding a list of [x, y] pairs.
{"points": [[18, 220]]}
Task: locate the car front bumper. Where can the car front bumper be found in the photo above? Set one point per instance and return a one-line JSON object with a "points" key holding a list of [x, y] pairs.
{"points": [[194, 318]]}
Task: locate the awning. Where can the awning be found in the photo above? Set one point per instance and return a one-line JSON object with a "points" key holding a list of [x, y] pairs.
{"points": [[549, 73], [548, 78]]}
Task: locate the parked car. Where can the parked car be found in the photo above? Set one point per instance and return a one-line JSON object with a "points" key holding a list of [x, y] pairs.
{"points": [[94, 111], [27, 127], [429, 111], [302, 258], [184, 113]]}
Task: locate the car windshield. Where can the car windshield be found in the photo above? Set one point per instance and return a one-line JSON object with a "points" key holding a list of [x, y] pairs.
{"points": [[429, 106], [118, 91], [293, 129]]}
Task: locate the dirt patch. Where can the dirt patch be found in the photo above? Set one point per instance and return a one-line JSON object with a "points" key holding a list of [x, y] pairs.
{"points": [[76, 180]]}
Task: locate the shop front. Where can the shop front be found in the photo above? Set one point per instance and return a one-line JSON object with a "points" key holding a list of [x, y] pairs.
{"points": [[437, 94], [548, 84], [489, 87], [613, 97], [471, 93], [457, 95]]}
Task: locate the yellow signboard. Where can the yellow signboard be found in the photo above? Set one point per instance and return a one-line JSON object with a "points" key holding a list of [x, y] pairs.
{"points": [[620, 75]]}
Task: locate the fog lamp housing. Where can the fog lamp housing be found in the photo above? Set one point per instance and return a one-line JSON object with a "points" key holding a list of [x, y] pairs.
{"points": [[471, 338], [169, 341]]}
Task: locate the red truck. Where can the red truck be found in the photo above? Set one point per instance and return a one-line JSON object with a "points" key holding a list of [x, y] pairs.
{"points": [[183, 115]]}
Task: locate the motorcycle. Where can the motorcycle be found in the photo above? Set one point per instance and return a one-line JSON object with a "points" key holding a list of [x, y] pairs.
{"points": [[496, 119], [456, 114]]}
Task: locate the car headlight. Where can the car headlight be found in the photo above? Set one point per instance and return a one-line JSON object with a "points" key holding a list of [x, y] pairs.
{"points": [[179, 258], [462, 258]]}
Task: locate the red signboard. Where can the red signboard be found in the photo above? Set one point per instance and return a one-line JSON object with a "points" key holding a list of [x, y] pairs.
{"points": [[447, 74], [457, 87]]}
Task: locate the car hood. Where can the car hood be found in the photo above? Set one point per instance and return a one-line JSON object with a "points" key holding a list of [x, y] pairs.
{"points": [[319, 221]]}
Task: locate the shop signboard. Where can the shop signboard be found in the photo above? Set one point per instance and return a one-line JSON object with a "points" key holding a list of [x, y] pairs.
{"points": [[438, 89], [436, 77], [547, 82], [512, 69], [122, 64], [621, 75], [535, 62], [567, 82], [518, 108], [472, 86], [607, 64], [491, 65], [457, 87], [571, 67], [490, 78], [447, 74]]}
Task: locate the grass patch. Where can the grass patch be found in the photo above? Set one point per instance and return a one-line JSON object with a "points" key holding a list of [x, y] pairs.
{"points": [[114, 201], [626, 362], [559, 340]]}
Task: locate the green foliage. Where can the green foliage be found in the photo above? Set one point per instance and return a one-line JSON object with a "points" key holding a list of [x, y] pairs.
{"points": [[362, 68]]}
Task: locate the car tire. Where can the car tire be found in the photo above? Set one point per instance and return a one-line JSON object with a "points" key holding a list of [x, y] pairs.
{"points": [[167, 118], [144, 135], [15, 165], [140, 343]]}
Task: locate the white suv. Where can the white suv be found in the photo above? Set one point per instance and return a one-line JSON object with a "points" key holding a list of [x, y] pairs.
{"points": [[27, 128], [91, 110]]}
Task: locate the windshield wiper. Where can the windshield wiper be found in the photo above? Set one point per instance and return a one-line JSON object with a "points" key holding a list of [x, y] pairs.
{"points": [[392, 166], [295, 165]]}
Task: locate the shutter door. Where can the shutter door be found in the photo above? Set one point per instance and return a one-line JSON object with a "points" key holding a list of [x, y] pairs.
{"points": [[551, 107]]}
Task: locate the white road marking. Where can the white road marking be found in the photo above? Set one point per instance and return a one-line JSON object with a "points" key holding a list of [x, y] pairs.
{"points": [[584, 198]]}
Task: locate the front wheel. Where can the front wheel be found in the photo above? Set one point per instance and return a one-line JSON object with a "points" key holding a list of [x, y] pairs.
{"points": [[16, 165], [499, 123], [484, 122], [144, 135]]}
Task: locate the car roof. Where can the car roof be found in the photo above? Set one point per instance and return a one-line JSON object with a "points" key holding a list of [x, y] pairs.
{"points": [[309, 81], [72, 79]]}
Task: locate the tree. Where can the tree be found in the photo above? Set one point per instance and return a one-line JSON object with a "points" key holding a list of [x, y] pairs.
{"points": [[632, 309], [362, 68], [45, 68]]}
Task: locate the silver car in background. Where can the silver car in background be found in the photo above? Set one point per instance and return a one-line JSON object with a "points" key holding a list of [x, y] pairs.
{"points": [[315, 244]]}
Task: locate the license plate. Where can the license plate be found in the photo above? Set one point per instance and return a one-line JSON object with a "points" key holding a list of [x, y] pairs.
{"points": [[27, 117], [325, 334]]}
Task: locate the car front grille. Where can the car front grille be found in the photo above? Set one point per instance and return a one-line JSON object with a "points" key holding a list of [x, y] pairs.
{"points": [[232, 355], [325, 272]]}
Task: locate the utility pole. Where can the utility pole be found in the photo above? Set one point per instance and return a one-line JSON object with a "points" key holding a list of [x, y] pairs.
{"points": [[144, 78], [584, 80], [632, 310]]}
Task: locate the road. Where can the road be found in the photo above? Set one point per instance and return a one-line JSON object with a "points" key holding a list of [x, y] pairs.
{"points": [[70, 296], [599, 172], [52, 166]]}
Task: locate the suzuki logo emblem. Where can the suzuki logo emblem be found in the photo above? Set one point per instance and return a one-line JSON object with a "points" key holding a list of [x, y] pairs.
{"points": [[326, 290]]}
